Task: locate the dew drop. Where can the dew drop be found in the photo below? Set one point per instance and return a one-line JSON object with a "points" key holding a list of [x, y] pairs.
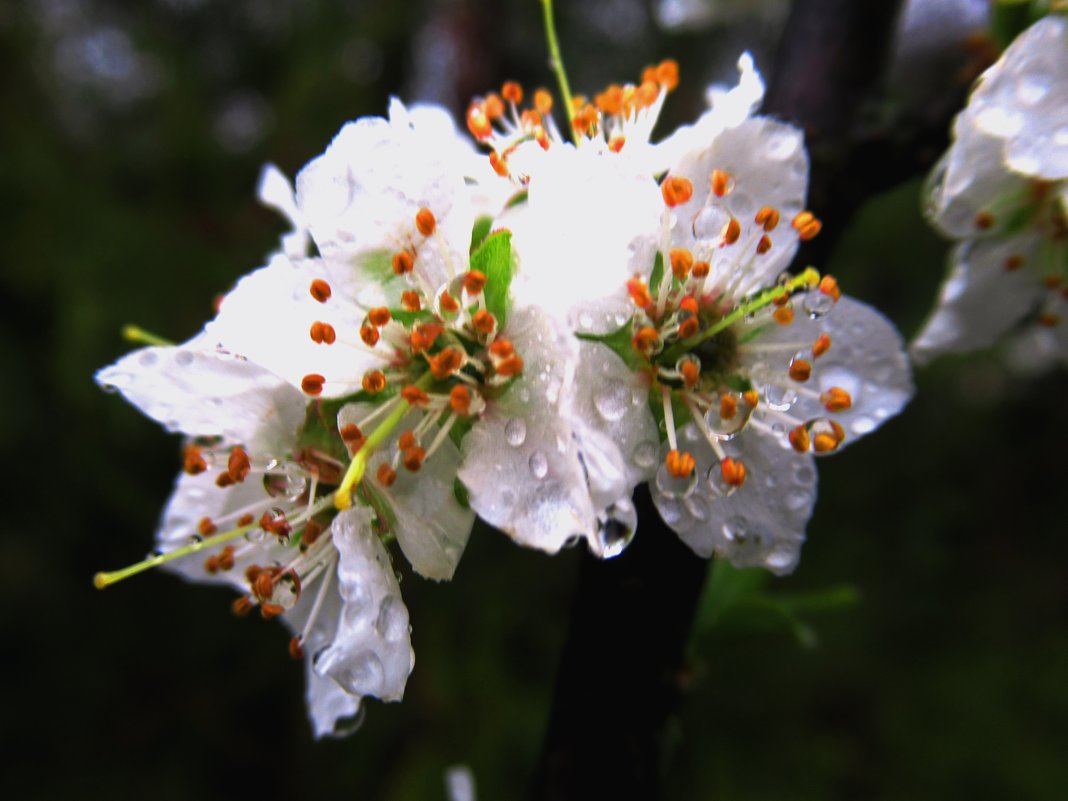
{"points": [[781, 146], [674, 487], [709, 223], [778, 397], [736, 528], [539, 464], [611, 400], [644, 454], [669, 512], [515, 432], [862, 425], [392, 620], [817, 304], [183, 358], [349, 724], [804, 474], [585, 320], [697, 507], [361, 675], [717, 484], [148, 358], [796, 500], [780, 559], [284, 480], [1031, 89], [616, 530]]}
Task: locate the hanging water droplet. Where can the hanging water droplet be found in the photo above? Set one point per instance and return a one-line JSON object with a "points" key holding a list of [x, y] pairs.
{"points": [[346, 725], [539, 464], [674, 487], [736, 529], [781, 145], [515, 432], [616, 529], [709, 222], [817, 304], [738, 411], [285, 480], [717, 484], [780, 559], [392, 620], [611, 400], [780, 398], [644, 454], [361, 674]]}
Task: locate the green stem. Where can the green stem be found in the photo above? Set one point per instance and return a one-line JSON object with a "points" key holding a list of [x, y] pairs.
{"points": [[557, 64], [102, 580], [138, 335]]}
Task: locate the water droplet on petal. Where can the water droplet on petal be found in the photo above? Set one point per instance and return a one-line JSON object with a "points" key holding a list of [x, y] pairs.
{"points": [[515, 432], [644, 454], [148, 358], [804, 474], [539, 464], [796, 500], [781, 146], [285, 480], [697, 507], [817, 304], [780, 559], [585, 320], [672, 486], [778, 397], [1032, 88], [183, 358], [392, 620], [616, 529], [360, 675], [736, 528], [717, 484], [862, 425], [611, 400]]}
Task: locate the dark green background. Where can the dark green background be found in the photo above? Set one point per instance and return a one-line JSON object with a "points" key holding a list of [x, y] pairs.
{"points": [[946, 681]]}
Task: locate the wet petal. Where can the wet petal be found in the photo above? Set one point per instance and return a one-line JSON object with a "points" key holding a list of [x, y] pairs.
{"points": [[371, 651], [276, 192], [200, 391], [981, 300], [762, 523], [521, 464]]}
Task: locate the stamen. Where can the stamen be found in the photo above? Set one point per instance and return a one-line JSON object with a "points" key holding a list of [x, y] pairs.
{"points": [[512, 92], [424, 336], [768, 218], [984, 221], [639, 293], [410, 300], [799, 439], [425, 220], [676, 190], [193, 462], [731, 232], [474, 282], [379, 316], [369, 334], [484, 322], [386, 475], [243, 606], [238, 465], [403, 262], [722, 182], [732, 470], [447, 362], [667, 74], [764, 245], [836, 399], [415, 395], [1014, 262], [448, 303], [320, 290], [413, 458], [800, 369], [681, 262], [784, 315], [460, 399], [680, 464], [821, 345], [807, 225], [323, 333], [312, 384], [374, 381]]}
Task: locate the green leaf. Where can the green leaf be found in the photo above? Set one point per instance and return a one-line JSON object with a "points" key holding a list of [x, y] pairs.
{"points": [[620, 342], [494, 258], [408, 318], [657, 276], [681, 414], [517, 199], [462, 496], [459, 429], [480, 231], [377, 265]]}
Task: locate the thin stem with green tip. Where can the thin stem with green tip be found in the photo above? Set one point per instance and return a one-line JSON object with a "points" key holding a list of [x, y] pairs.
{"points": [[557, 64]]}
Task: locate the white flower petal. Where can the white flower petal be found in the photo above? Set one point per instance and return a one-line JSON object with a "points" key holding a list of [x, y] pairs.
{"points": [[981, 300], [203, 392], [430, 524], [521, 464], [867, 359], [761, 524], [267, 317], [371, 651], [275, 191]]}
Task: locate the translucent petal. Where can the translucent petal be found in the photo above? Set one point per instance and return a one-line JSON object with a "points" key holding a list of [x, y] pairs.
{"points": [[866, 358], [762, 523], [200, 391], [981, 300], [267, 318], [371, 651], [430, 524], [521, 464], [276, 192]]}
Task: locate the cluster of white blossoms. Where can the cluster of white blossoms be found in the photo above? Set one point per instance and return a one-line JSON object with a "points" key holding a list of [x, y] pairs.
{"points": [[1001, 191], [526, 337]]}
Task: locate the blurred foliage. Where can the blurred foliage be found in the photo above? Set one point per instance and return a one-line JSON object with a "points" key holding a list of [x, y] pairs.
{"points": [[131, 141]]}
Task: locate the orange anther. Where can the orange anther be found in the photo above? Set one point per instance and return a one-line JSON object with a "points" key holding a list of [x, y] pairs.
{"points": [[403, 262], [483, 322], [205, 528], [688, 304], [501, 348], [493, 106], [379, 316], [223, 480], [541, 137], [406, 441], [474, 282], [322, 333], [681, 262], [543, 101], [639, 293], [424, 336], [312, 531], [245, 519], [193, 461], [425, 221], [821, 345], [529, 119], [691, 373], [825, 441], [1048, 319], [616, 142], [768, 218], [679, 463], [836, 399], [296, 650], [242, 606], [689, 327], [646, 339], [728, 407], [369, 334], [764, 245], [799, 439], [271, 611], [731, 231], [512, 92], [415, 395], [410, 300], [701, 269], [447, 303], [211, 564], [320, 290], [751, 397], [386, 475], [647, 94], [807, 225], [413, 458], [478, 123], [460, 399], [648, 74], [498, 164], [732, 470], [312, 384], [667, 74], [721, 182], [225, 558], [984, 221], [351, 434], [676, 190], [374, 381], [511, 366], [784, 315], [446, 363], [263, 585], [610, 101], [1014, 262], [829, 286], [238, 465], [800, 369]]}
